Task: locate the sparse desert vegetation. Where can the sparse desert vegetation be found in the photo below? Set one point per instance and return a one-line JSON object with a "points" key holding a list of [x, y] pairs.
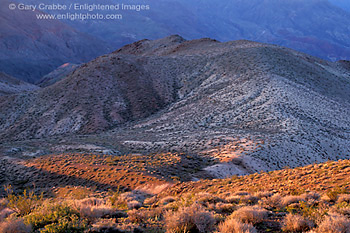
{"points": [[253, 203]]}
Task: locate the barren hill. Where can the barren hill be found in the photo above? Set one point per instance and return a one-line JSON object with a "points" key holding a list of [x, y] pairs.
{"points": [[249, 105], [253, 106]]}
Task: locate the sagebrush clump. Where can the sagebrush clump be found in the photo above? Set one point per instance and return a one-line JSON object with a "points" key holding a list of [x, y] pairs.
{"points": [[233, 225], [250, 214], [296, 223], [188, 219]]}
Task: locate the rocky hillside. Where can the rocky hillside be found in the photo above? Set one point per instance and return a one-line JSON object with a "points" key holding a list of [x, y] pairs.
{"points": [[247, 105], [252, 106], [10, 85], [103, 93], [31, 48]]}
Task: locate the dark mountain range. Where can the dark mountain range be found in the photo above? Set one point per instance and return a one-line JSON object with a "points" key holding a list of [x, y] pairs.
{"points": [[316, 27], [202, 96], [31, 48]]}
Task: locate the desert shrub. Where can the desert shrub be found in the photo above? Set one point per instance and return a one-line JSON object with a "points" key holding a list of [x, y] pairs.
{"points": [[315, 213], [185, 200], [167, 200], [134, 205], [224, 207], [263, 194], [5, 213], [243, 199], [344, 198], [150, 201], [275, 201], [250, 214], [334, 193], [189, 219], [204, 221], [310, 196], [287, 200], [91, 201], [249, 199], [128, 227], [64, 225], [23, 204], [128, 200], [142, 215], [137, 216], [105, 225], [94, 208], [240, 193], [296, 223], [136, 195], [340, 208], [14, 226], [56, 218], [233, 225], [3, 203], [118, 202], [207, 198], [343, 211], [334, 224], [234, 199]]}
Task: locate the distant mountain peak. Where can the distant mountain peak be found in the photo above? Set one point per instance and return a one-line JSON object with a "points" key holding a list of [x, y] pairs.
{"points": [[146, 46]]}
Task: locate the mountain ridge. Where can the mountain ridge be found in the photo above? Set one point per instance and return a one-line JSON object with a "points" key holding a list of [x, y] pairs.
{"points": [[248, 105]]}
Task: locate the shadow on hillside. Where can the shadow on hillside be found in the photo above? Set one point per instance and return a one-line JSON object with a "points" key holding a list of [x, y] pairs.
{"points": [[21, 177]]}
